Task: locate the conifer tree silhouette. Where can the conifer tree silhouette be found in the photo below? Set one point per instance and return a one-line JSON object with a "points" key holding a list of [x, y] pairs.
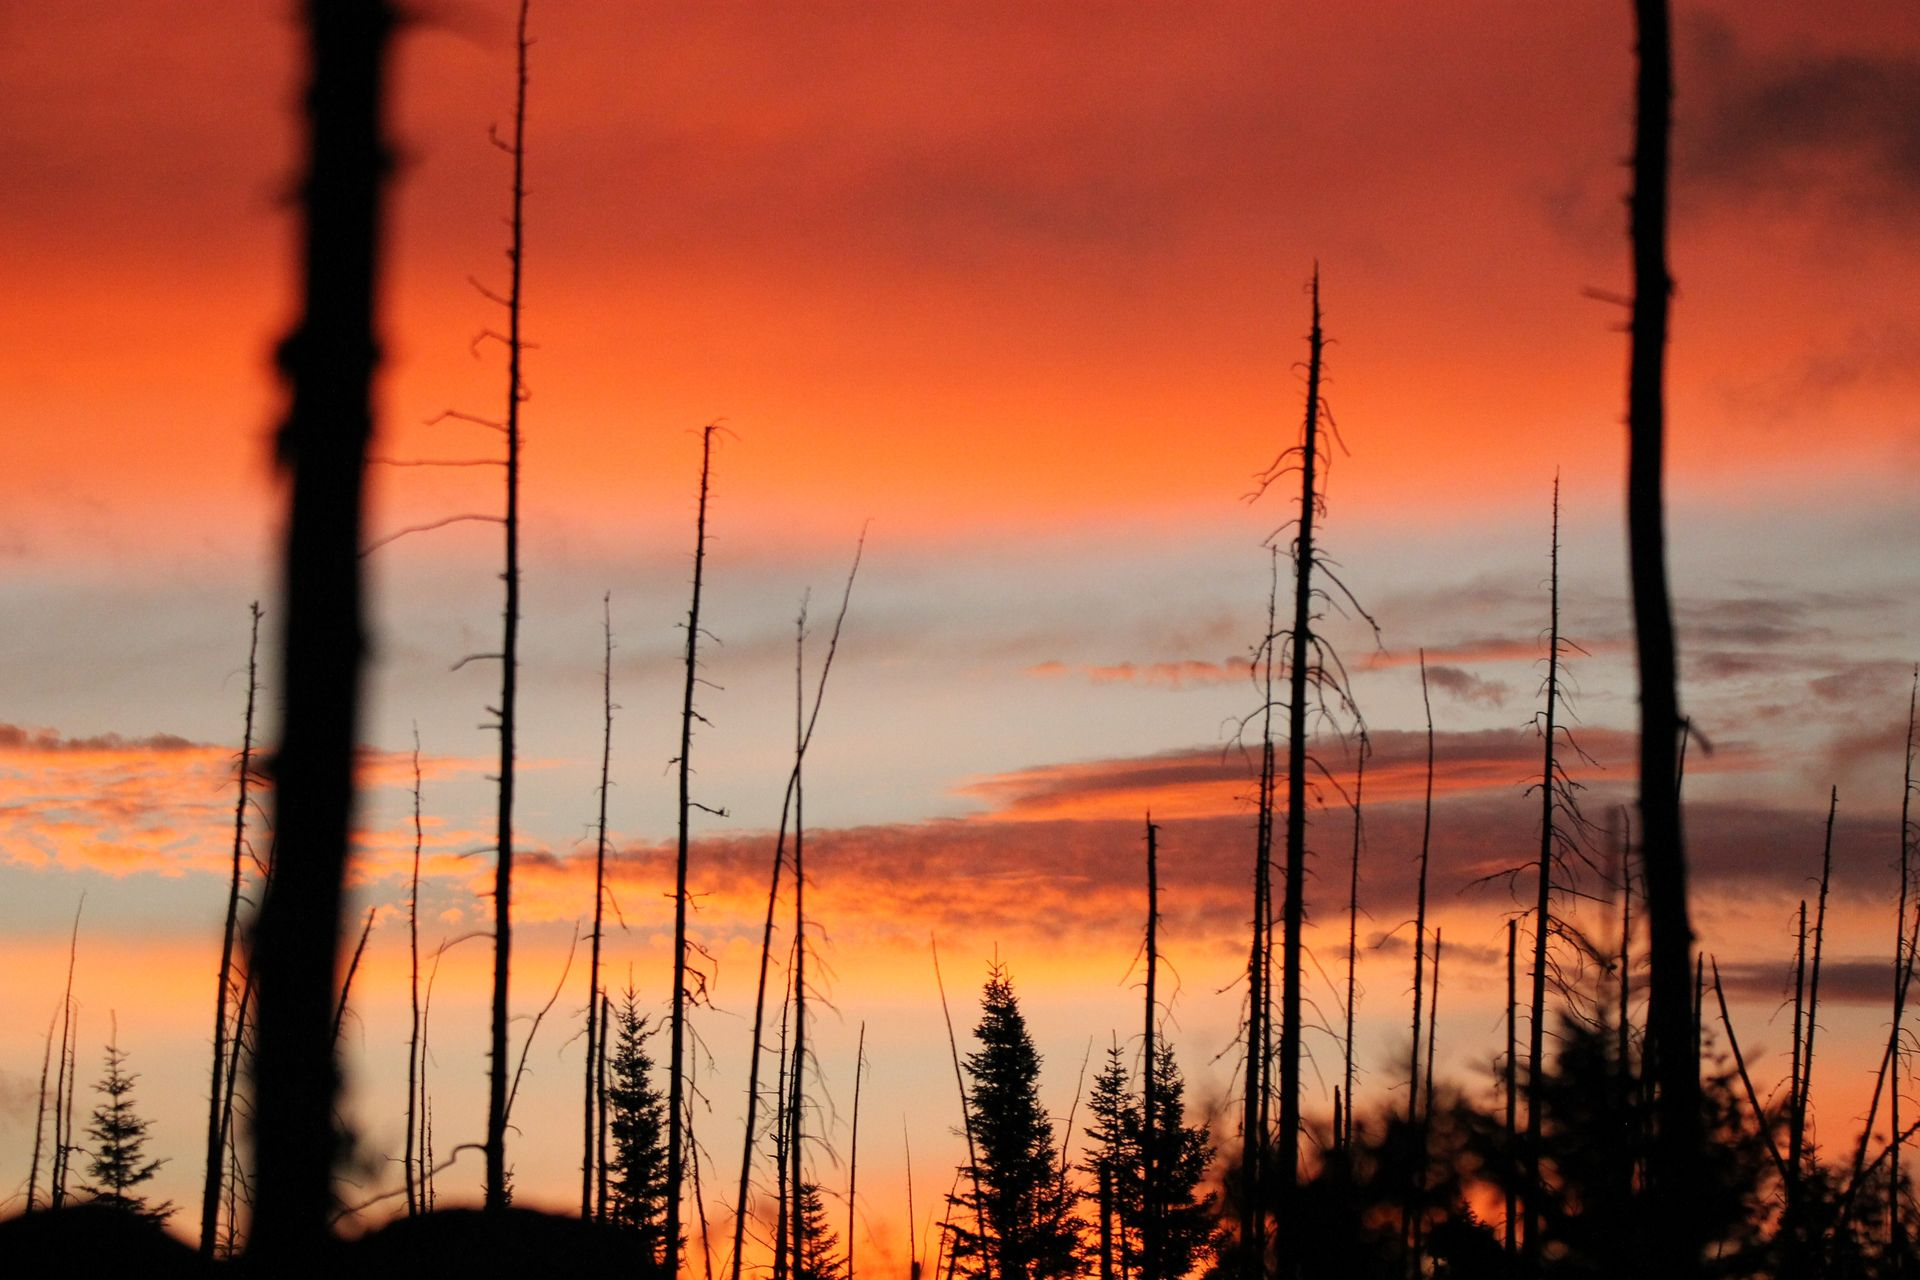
{"points": [[636, 1119], [1024, 1209], [118, 1162]]}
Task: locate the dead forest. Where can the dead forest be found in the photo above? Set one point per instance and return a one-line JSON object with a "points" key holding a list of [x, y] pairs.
{"points": [[1620, 1130]]}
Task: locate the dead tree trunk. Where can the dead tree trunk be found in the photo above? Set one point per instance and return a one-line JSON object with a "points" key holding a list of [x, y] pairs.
{"points": [[329, 361], [1512, 1099], [600, 1086], [796, 1108], [1150, 1109], [1293, 911], [966, 1116], [1345, 1136], [599, 906], [1543, 890], [353, 967], [1673, 1155], [509, 658], [63, 1076], [1813, 981], [676, 1085], [853, 1145], [1423, 1143], [40, 1120], [1419, 946], [411, 1154], [766, 936], [1254, 1123], [216, 1132]]}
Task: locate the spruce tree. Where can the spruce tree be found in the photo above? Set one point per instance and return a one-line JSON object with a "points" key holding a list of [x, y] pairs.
{"points": [[1181, 1153], [637, 1173], [1113, 1163], [118, 1162], [1024, 1205], [820, 1257]]}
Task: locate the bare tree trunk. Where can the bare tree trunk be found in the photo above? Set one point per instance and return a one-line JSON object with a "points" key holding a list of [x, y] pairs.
{"points": [[1293, 917], [1409, 1225], [1423, 1155], [676, 1085], [1903, 969], [1254, 1124], [216, 1134], [329, 361], [63, 1075], [238, 1041], [1542, 919], [40, 1120], [1793, 1070], [353, 967], [1624, 1047], [853, 1145], [1813, 976], [599, 907], [600, 1087], [509, 659], [913, 1228], [1903, 949], [782, 1132], [1345, 1136], [966, 1116], [766, 936], [1150, 1108], [1675, 1069], [796, 1109], [67, 1147], [1513, 1102], [411, 1155], [1624, 1050]]}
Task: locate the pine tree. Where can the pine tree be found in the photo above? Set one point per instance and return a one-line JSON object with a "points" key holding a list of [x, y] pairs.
{"points": [[118, 1163], [637, 1174], [1023, 1206]]}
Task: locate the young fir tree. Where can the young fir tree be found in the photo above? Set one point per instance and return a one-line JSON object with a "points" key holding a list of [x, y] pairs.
{"points": [[819, 1252], [636, 1170], [1024, 1209], [1113, 1165], [1180, 1155], [118, 1163]]}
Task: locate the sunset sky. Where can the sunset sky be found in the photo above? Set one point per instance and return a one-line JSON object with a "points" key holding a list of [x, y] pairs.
{"points": [[1020, 290]]}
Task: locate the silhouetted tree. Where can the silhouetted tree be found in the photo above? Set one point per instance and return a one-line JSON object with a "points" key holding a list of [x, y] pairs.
{"points": [[637, 1182], [599, 910], [815, 1253], [118, 1161], [1024, 1207], [329, 361], [1177, 1156], [410, 1153], [751, 1134], [1112, 1161], [216, 1097], [677, 1033], [497, 1087], [1675, 1157]]}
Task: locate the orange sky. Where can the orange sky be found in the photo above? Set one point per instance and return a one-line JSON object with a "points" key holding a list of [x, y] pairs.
{"points": [[1025, 287]]}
